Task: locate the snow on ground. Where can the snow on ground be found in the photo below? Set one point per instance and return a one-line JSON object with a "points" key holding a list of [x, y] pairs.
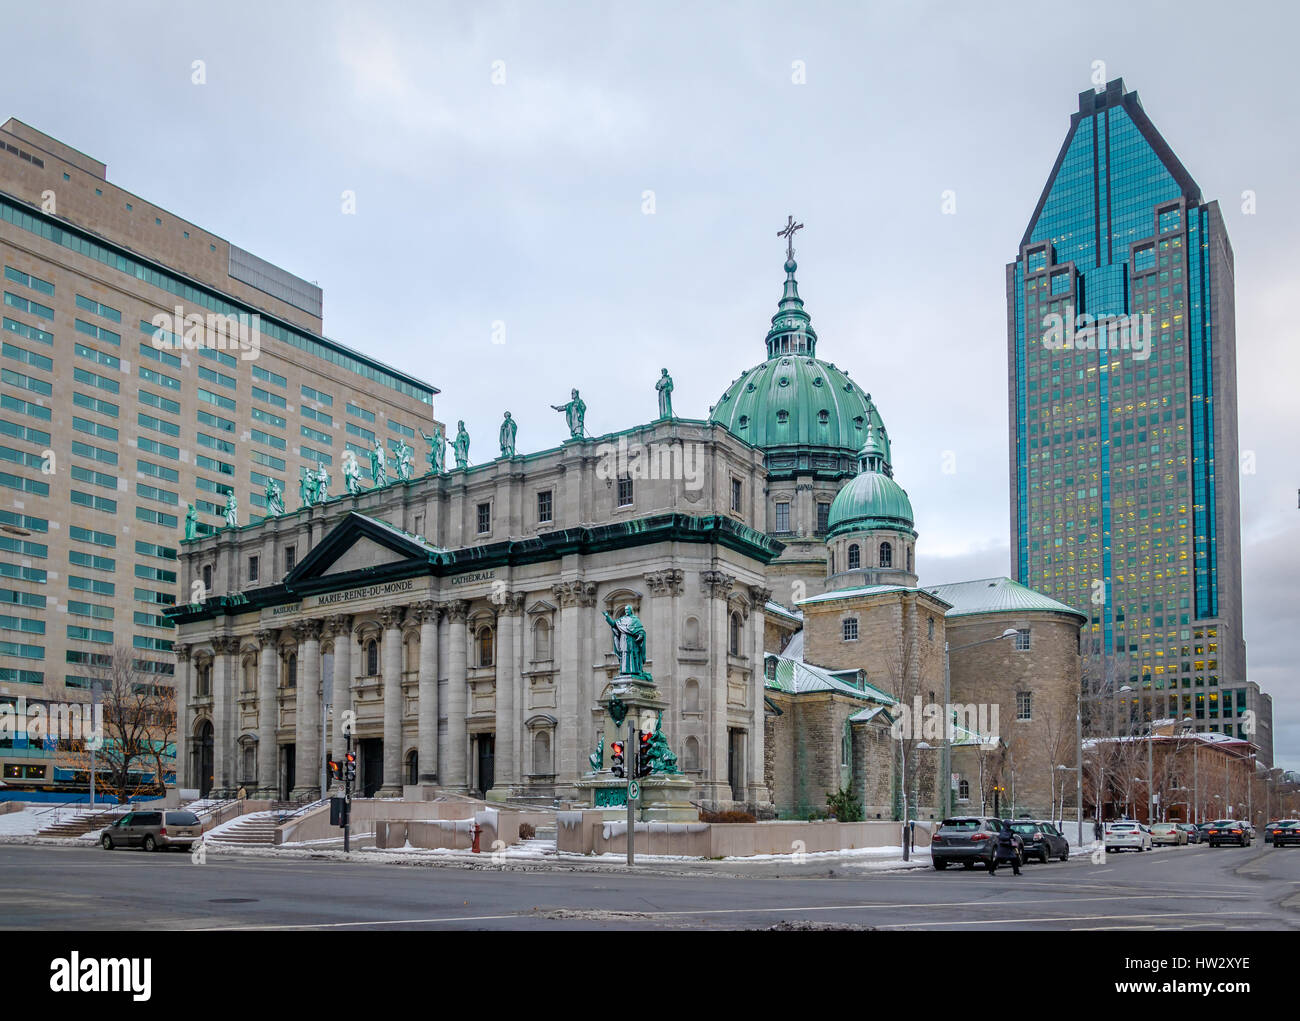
{"points": [[21, 824], [209, 834]]}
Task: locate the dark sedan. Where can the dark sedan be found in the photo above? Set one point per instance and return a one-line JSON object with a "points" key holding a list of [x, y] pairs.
{"points": [[1284, 832], [1228, 831], [1042, 839]]}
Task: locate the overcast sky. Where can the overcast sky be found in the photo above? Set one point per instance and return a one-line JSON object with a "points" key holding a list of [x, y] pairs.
{"points": [[521, 202]]}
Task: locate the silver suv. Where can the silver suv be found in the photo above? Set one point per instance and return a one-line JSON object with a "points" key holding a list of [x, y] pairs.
{"points": [[153, 830]]}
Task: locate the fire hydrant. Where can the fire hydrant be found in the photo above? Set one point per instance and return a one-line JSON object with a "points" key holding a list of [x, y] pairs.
{"points": [[475, 830]]}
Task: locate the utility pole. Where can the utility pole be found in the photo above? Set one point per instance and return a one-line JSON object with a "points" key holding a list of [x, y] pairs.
{"points": [[631, 758], [1151, 738], [94, 701]]}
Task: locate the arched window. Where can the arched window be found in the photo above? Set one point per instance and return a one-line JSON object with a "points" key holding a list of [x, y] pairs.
{"points": [[823, 417], [691, 696], [782, 417], [744, 421], [963, 789], [769, 668], [886, 555], [691, 755], [541, 640], [413, 767], [855, 557], [291, 671], [249, 763], [909, 559], [734, 644], [485, 646], [372, 658], [203, 686], [207, 580], [248, 678], [542, 753]]}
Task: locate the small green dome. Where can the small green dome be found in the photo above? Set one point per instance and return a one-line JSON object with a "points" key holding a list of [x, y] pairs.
{"points": [[871, 500]]}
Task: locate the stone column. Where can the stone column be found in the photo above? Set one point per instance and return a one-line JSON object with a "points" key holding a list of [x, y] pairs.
{"points": [[573, 677], [453, 771], [756, 790], [665, 586], [391, 656], [714, 786], [339, 629], [268, 716], [306, 769], [506, 756], [181, 741], [427, 613], [223, 738]]}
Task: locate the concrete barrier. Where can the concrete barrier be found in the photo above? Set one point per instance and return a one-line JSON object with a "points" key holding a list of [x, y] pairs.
{"points": [[456, 833]]}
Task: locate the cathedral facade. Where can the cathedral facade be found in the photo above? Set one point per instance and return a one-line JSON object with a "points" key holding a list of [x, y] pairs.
{"points": [[457, 619]]}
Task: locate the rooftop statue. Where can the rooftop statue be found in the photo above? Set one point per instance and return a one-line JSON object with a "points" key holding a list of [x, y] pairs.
{"points": [[232, 510], [629, 643], [378, 465], [508, 429], [404, 456], [574, 414], [351, 473], [274, 499], [191, 522], [460, 446], [437, 450], [665, 388], [322, 484]]}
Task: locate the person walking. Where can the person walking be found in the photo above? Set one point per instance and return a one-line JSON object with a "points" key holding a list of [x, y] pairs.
{"points": [[1007, 847], [1096, 830]]}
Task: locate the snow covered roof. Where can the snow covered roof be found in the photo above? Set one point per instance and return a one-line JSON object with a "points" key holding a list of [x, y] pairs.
{"points": [[996, 595], [795, 677]]}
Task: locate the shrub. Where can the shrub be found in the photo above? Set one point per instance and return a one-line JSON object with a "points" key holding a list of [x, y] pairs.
{"points": [[843, 806], [728, 816], [527, 831]]}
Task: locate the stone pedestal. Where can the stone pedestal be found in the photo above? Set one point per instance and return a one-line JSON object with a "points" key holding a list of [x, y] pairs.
{"points": [[664, 797]]}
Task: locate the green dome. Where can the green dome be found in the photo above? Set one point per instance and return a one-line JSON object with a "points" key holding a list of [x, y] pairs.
{"points": [[804, 413], [871, 500]]}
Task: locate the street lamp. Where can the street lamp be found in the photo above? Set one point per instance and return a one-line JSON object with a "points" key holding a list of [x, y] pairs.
{"points": [[946, 758]]}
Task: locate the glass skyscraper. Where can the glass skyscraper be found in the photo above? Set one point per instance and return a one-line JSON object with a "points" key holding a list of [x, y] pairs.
{"points": [[1124, 485]]}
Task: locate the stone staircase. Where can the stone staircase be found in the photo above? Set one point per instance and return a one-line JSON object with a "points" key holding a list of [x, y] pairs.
{"points": [[80, 824], [255, 830]]}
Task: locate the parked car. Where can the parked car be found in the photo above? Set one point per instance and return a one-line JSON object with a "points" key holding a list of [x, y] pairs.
{"points": [[1194, 834], [1168, 833], [1284, 832], [1127, 834], [1042, 839], [969, 840], [152, 830], [1228, 831]]}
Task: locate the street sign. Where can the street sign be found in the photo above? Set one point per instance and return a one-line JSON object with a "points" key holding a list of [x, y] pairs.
{"points": [[634, 790]]}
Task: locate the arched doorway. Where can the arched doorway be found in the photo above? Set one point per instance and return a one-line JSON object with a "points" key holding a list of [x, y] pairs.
{"points": [[202, 763]]}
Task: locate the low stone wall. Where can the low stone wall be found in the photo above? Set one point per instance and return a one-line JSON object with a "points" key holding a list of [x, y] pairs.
{"points": [[587, 832], [369, 814], [458, 834], [11, 806]]}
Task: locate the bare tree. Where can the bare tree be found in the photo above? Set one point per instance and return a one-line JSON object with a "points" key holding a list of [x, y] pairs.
{"points": [[137, 745], [909, 663]]}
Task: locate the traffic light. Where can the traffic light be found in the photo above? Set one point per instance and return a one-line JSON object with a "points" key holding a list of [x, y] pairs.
{"points": [[643, 753], [351, 765], [616, 758], [334, 772]]}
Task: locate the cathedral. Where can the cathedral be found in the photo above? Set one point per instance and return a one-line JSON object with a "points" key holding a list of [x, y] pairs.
{"points": [[456, 619]]}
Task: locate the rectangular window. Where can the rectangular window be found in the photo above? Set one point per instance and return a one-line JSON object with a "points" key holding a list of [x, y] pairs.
{"points": [[269, 460], [290, 558], [38, 386], [361, 413], [99, 503], [266, 397], [260, 415], [737, 495], [27, 280], [160, 356], [92, 585], [158, 424], [22, 407], [154, 447], [1022, 640], [213, 376], [98, 332], [253, 565], [99, 357], [484, 518], [404, 430], [158, 471], [1024, 705], [625, 492], [31, 307], [95, 478], [267, 376], [225, 403], [94, 404], [544, 508], [319, 396], [783, 517], [323, 417], [152, 549], [95, 308], [213, 465], [278, 442], [161, 403], [319, 437], [154, 517], [30, 332], [363, 433], [21, 354], [217, 422], [823, 517], [851, 629]]}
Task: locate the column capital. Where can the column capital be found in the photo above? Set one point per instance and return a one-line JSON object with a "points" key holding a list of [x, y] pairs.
{"points": [[575, 593], [307, 630], [182, 651], [716, 584], [391, 617], [426, 612], [760, 596], [665, 583], [507, 603], [455, 609], [225, 644], [267, 637], [338, 624]]}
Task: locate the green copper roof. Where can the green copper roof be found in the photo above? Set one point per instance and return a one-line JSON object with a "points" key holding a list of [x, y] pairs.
{"points": [[795, 677], [997, 595], [870, 500], [796, 404]]}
